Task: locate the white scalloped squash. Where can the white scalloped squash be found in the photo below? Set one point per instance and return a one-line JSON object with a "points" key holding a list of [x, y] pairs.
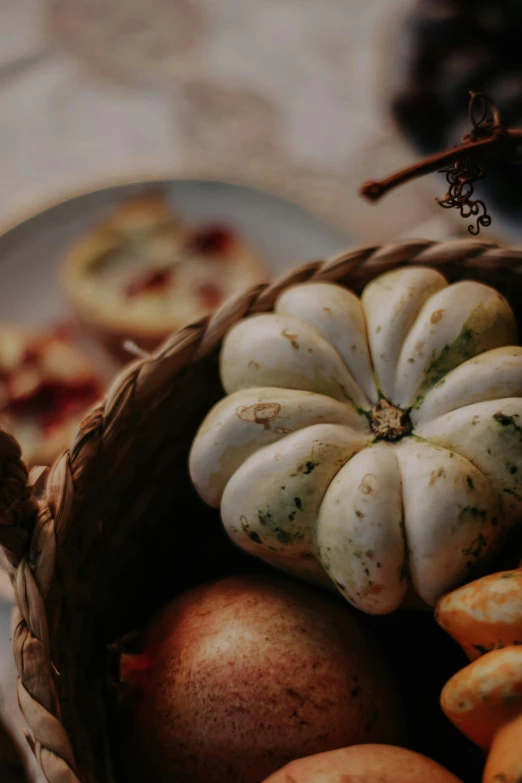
{"points": [[372, 444]]}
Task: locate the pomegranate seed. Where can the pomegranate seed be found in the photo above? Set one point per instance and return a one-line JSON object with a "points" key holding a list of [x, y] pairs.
{"points": [[211, 240], [4, 395], [31, 354], [152, 280], [59, 403]]}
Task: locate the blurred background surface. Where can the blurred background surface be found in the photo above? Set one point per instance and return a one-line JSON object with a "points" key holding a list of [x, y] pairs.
{"points": [[286, 95]]}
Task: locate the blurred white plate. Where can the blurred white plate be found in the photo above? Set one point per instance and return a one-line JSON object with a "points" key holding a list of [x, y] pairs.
{"points": [[283, 233]]}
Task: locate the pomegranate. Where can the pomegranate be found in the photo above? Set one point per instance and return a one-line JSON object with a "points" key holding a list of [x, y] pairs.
{"points": [[238, 677]]}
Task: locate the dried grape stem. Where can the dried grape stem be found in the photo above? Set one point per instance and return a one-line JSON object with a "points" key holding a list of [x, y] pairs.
{"points": [[373, 191]]}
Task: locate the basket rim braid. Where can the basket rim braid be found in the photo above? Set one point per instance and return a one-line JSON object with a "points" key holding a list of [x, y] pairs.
{"points": [[37, 534]]}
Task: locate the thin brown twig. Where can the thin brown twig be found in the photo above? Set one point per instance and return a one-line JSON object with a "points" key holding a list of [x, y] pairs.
{"points": [[373, 191], [487, 138]]}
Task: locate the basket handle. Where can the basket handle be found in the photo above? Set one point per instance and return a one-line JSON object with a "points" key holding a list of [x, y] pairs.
{"points": [[18, 507]]}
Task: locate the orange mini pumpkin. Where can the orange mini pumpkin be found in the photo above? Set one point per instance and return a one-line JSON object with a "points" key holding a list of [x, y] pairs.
{"points": [[504, 763], [484, 615], [484, 700]]}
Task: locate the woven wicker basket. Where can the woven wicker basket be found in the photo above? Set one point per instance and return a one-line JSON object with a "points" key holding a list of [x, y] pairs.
{"points": [[115, 535]]}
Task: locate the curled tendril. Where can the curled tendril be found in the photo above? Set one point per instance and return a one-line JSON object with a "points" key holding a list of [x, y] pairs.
{"points": [[461, 178], [483, 114], [462, 175]]}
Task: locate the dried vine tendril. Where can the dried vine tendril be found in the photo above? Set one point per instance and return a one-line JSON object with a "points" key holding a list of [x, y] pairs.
{"points": [[460, 178], [463, 165]]}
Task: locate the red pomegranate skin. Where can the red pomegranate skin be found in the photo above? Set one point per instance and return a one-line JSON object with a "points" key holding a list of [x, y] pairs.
{"points": [[238, 677]]}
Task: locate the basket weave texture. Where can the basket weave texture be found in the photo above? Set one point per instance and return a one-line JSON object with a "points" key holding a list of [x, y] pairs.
{"points": [[119, 528]]}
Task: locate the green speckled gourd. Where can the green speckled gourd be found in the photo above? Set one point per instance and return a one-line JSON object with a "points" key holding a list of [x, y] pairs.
{"points": [[370, 444]]}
